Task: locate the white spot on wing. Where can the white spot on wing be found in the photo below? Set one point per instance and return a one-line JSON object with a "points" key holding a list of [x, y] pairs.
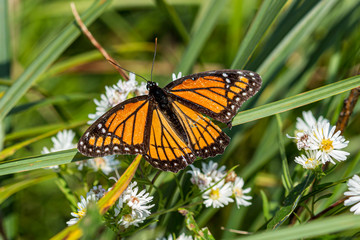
{"points": [[224, 74], [99, 125], [252, 74]]}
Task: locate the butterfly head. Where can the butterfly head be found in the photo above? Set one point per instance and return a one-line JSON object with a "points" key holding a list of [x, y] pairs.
{"points": [[150, 85]]}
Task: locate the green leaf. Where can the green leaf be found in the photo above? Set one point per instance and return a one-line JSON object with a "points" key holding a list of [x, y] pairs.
{"points": [[297, 101], [263, 20], [290, 203], [46, 58], [20, 184], [310, 230], [198, 39], [294, 38]]}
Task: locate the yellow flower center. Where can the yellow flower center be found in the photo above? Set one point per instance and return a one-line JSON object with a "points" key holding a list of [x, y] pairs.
{"points": [[128, 218], [309, 160], [215, 194], [238, 192], [326, 145], [81, 213]]}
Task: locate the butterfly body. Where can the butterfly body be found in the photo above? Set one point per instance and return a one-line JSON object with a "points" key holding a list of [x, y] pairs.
{"points": [[168, 126]]}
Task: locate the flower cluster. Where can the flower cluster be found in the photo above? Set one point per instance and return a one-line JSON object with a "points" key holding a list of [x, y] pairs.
{"points": [[354, 194], [92, 196], [180, 237], [64, 141], [133, 206], [117, 94], [319, 141], [219, 186]]}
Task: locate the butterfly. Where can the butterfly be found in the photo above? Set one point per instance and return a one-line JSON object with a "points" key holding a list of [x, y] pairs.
{"points": [[169, 127]]}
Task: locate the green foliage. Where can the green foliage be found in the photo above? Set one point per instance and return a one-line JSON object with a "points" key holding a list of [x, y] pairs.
{"points": [[307, 52]]}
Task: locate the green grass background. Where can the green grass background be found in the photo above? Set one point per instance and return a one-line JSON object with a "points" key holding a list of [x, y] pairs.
{"points": [[50, 74]]}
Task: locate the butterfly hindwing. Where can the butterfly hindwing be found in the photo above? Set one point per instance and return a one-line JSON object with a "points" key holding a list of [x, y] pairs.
{"points": [[124, 129], [205, 138], [167, 150], [217, 94]]}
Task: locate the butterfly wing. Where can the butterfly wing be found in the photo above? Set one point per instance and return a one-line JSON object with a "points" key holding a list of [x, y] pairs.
{"points": [[217, 94], [205, 138], [167, 150], [124, 129]]}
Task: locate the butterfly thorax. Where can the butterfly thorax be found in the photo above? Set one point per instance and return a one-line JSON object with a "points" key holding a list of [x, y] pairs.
{"points": [[158, 94], [165, 106]]}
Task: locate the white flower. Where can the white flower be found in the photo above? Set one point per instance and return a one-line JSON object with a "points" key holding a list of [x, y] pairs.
{"points": [[309, 121], [304, 129], [199, 179], [92, 196], [239, 193], [62, 141], [184, 237], [174, 77], [131, 219], [354, 193], [327, 142], [115, 95], [180, 237], [105, 164], [133, 206], [219, 195], [210, 170], [310, 161]]}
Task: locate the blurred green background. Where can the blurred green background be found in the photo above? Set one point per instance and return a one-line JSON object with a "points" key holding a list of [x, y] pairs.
{"points": [[295, 45]]}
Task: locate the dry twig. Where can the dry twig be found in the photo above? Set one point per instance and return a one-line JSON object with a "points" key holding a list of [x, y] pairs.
{"points": [[88, 34]]}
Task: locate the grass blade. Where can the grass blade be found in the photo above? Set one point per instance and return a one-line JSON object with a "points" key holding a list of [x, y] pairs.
{"points": [[200, 36], [310, 230], [264, 18], [297, 100], [46, 58]]}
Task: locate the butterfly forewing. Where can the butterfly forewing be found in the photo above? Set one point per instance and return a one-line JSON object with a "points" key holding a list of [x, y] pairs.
{"points": [[167, 150], [218, 94], [124, 129]]}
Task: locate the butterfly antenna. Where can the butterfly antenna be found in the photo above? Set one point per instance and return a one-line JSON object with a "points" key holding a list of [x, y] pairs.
{"points": [[114, 63], [152, 67]]}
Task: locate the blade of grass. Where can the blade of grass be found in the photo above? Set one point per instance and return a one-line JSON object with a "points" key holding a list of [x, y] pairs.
{"points": [[5, 57], [53, 100], [199, 37], [264, 18], [311, 229], [46, 58], [10, 189], [294, 38], [29, 132], [45, 160], [297, 100], [175, 19], [286, 177]]}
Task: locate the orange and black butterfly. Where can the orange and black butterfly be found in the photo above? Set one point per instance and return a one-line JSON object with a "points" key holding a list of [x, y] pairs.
{"points": [[167, 126]]}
